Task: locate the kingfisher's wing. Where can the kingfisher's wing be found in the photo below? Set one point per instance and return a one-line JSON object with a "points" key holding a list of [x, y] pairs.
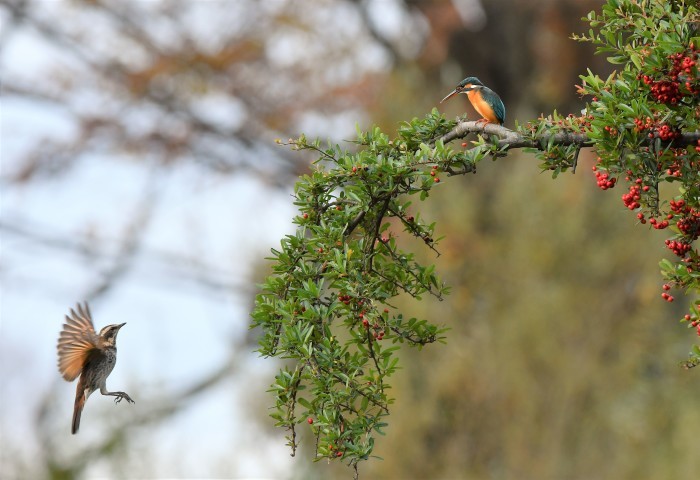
{"points": [[496, 103], [76, 341]]}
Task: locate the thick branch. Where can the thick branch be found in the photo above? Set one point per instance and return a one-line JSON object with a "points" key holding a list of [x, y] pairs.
{"points": [[513, 139]]}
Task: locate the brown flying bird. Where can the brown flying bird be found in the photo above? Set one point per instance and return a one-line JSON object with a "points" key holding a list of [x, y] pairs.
{"points": [[83, 352]]}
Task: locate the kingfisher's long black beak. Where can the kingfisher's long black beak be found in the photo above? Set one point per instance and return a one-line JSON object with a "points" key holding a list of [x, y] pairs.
{"points": [[450, 95]]}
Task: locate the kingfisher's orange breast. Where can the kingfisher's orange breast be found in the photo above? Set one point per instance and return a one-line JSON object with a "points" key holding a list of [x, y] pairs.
{"points": [[483, 108]]}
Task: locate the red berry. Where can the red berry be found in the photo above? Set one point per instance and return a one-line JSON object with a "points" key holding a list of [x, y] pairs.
{"points": [[310, 420]]}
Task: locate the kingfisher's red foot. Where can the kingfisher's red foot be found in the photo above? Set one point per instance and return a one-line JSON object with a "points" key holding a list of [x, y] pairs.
{"points": [[483, 120]]}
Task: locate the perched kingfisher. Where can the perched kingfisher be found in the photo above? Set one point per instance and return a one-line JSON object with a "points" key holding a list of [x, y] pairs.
{"points": [[484, 100]]}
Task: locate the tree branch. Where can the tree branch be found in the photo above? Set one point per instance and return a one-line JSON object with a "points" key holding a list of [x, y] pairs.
{"points": [[513, 139]]}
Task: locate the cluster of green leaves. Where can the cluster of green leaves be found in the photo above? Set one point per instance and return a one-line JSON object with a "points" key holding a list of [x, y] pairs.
{"points": [[558, 140], [327, 305], [643, 121]]}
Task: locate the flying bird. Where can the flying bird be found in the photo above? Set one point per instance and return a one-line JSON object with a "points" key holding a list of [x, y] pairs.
{"points": [[91, 355]]}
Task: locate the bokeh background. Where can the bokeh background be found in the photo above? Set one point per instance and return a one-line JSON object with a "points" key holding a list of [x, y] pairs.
{"points": [[140, 172]]}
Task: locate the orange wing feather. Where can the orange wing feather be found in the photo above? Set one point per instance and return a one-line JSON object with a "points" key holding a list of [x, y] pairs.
{"points": [[77, 339]]}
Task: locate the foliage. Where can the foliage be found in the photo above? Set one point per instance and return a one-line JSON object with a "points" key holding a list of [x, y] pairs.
{"points": [[637, 119], [328, 304]]}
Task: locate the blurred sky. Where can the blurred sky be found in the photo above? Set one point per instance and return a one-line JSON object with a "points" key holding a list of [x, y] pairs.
{"points": [[175, 330], [226, 222]]}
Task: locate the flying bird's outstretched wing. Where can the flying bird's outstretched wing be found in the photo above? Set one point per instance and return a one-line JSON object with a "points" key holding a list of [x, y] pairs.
{"points": [[77, 340]]}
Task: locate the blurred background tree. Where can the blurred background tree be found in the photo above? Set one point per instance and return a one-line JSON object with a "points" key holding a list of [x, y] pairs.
{"points": [[140, 173]]}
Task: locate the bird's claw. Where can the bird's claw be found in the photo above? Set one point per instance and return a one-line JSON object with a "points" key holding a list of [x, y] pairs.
{"points": [[123, 396]]}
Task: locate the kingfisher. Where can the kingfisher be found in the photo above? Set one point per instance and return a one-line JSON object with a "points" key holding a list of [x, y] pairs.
{"points": [[484, 100]]}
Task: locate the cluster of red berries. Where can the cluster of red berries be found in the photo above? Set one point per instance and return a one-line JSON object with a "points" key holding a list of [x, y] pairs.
{"points": [[603, 180], [344, 298], [680, 161], [643, 124], [682, 64], [378, 333], [663, 91], [631, 199], [666, 287], [433, 173], [357, 303], [689, 223], [679, 207], [338, 453], [611, 130], [663, 131], [668, 91], [674, 170], [659, 225], [678, 247]]}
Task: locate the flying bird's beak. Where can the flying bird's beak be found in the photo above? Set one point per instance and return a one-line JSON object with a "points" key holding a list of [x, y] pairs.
{"points": [[120, 326], [450, 95]]}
